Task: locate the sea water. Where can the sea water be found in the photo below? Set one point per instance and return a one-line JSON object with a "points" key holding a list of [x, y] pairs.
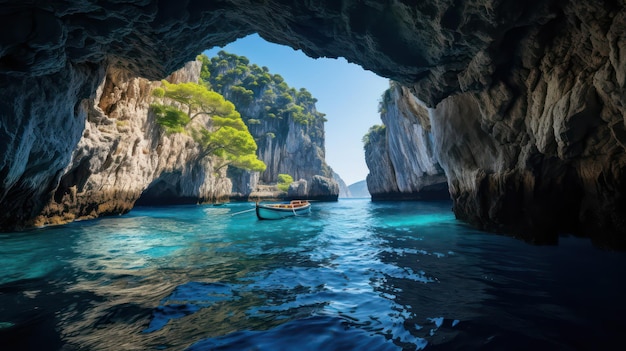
{"points": [[352, 275]]}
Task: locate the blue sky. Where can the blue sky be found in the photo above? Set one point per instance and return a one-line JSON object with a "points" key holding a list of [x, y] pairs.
{"points": [[345, 92]]}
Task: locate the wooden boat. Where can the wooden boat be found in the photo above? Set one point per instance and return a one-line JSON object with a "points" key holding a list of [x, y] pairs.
{"points": [[282, 209]]}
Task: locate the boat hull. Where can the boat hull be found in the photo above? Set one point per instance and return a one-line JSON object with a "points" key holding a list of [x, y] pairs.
{"points": [[273, 212]]}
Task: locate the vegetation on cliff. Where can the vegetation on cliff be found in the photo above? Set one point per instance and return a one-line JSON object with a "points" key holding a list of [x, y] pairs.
{"points": [[226, 136], [283, 181], [285, 123], [376, 132], [245, 83]]}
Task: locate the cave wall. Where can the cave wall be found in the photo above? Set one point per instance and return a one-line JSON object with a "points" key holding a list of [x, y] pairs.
{"points": [[124, 157], [41, 121], [541, 83], [541, 150]]}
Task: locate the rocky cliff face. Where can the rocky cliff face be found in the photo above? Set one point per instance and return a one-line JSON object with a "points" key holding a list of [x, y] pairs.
{"points": [[541, 149], [41, 120], [401, 155], [344, 191], [123, 154], [537, 87], [288, 129]]}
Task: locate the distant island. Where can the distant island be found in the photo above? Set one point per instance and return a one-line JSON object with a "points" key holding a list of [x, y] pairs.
{"points": [[359, 190]]}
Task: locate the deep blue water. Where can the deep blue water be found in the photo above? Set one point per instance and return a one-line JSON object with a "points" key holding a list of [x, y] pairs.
{"points": [[353, 275]]}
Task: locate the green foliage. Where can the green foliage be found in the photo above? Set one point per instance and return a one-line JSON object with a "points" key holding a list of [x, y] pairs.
{"points": [[242, 95], [234, 146], [304, 97], [284, 99], [264, 78], [283, 86], [205, 75], [284, 180], [158, 92], [385, 99], [223, 64], [170, 118], [277, 78], [197, 99], [375, 132], [227, 137], [249, 162], [244, 83]]}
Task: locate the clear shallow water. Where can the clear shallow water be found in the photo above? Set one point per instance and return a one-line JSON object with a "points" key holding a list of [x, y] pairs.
{"points": [[354, 275]]}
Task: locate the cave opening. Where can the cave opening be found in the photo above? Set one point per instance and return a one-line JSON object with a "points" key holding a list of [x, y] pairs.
{"points": [[346, 93]]}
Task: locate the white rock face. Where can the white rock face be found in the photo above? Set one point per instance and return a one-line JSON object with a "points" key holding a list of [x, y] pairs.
{"points": [[124, 153], [402, 162]]}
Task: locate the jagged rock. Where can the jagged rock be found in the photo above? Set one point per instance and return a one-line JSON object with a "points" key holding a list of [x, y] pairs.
{"points": [[124, 154], [298, 190], [344, 191], [400, 155], [323, 189], [541, 150], [285, 145], [41, 120], [318, 188], [541, 84]]}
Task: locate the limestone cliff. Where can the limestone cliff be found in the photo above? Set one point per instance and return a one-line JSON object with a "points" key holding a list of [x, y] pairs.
{"points": [[288, 129], [540, 150], [526, 98], [400, 155], [344, 191], [123, 154]]}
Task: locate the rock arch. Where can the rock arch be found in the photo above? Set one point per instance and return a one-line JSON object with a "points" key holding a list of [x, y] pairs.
{"points": [[544, 82]]}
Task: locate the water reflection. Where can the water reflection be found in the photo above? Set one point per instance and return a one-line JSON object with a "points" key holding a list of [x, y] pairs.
{"points": [[353, 275], [174, 274]]}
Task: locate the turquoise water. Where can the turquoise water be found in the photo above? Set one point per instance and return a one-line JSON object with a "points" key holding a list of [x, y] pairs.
{"points": [[353, 275]]}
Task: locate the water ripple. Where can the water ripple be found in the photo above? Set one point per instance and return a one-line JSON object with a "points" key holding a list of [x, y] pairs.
{"points": [[354, 275]]}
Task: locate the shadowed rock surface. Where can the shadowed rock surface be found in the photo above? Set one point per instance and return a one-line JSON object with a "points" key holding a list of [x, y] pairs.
{"points": [[124, 157], [527, 98]]}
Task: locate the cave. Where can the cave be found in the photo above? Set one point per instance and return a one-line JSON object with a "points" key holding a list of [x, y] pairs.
{"points": [[525, 99], [161, 193]]}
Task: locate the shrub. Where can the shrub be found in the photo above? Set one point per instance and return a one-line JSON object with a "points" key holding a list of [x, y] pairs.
{"points": [[283, 181]]}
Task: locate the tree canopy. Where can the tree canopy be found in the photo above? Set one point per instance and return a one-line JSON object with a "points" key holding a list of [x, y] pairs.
{"points": [[226, 135], [198, 100], [245, 83]]}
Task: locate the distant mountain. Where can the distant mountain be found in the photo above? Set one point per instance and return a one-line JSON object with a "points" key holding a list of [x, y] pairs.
{"points": [[359, 189], [343, 188]]}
